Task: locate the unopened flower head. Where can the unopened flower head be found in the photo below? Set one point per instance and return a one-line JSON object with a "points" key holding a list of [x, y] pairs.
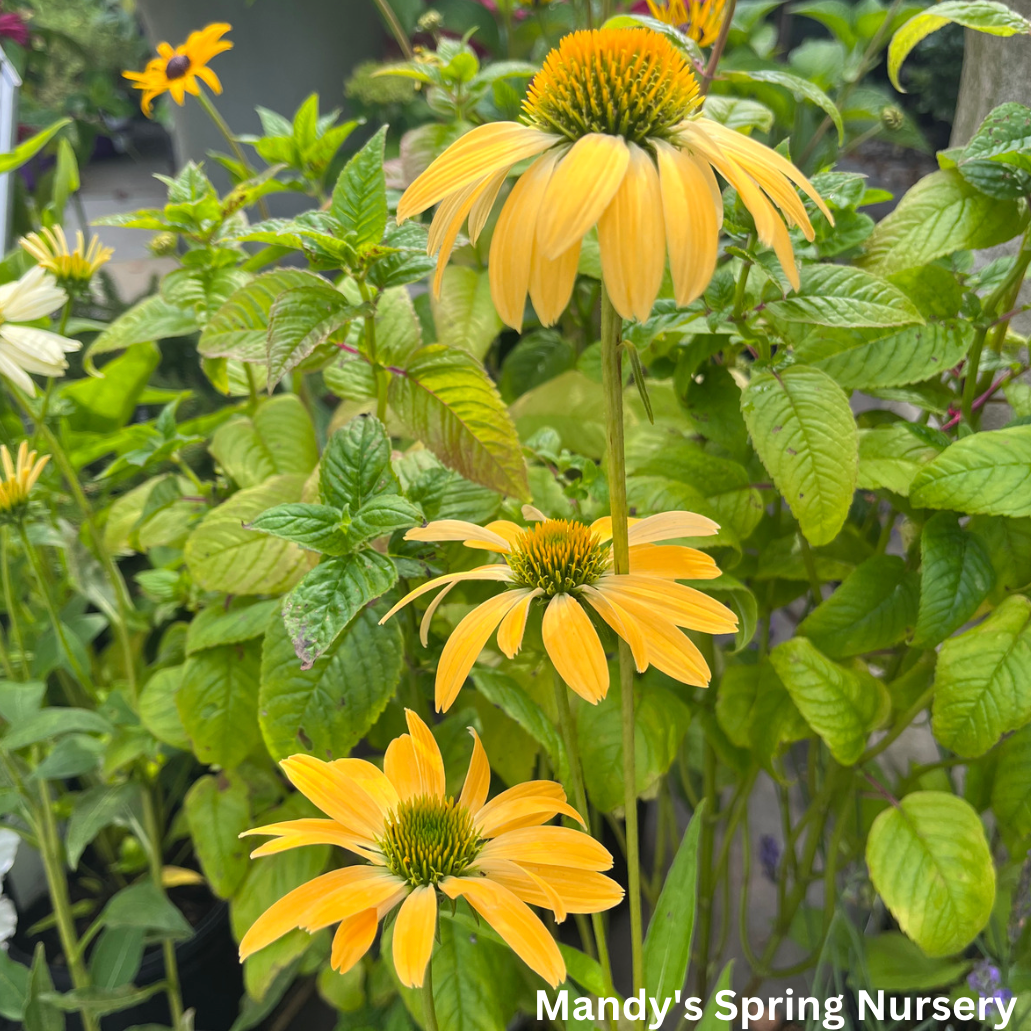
{"points": [[19, 478], [176, 69], [614, 124], [419, 844], [567, 567], [700, 20], [74, 268], [28, 349]]}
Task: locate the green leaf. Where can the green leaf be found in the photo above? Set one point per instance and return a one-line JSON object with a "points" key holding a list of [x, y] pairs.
{"points": [[982, 685], [31, 147], [217, 810], [912, 355], [222, 555], [840, 295], [464, 312], [49, 723], [19, 701], [712, 1016], [116, 957], [149, 320], [667, 946], [943, 213], [240, 327], [398, 332], [874, 608], [40, 1013], [988, 473], [380, 517], [328, 708], [299, 321], [801, 425], [1011, 787], [956, 576], [218, 703], [841, 705], [158, 712], [890, 456], [446, 400], [313, 527], [739, 113], [96, 808], [278, 439], [230, 622], [930, 862], [330, 596], [144, 905], [755, 711], [1008, 542], [360, 194], [106, 403], [535, 359], [996, 19], [98, 1001], [895, 964], [801, 88], [355, 466], [14, 988]]}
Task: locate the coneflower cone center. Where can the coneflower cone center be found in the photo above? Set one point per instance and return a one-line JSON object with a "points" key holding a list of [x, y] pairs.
{"points": [[558, 556], [632, 83], [177, 66], [428, 839]]}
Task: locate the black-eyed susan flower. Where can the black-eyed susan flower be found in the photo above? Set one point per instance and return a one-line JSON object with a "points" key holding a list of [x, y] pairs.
{"points": [[568, 566], [176, 69], [614, 123], [74, 268], [18, 477], [25, 349], [700, 20], [419, 843]]}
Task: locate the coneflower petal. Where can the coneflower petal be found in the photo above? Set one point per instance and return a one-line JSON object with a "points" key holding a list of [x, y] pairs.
{"points": [[574, 647], [413, 936]]}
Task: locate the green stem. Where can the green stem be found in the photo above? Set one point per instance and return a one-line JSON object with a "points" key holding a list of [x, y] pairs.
{"points": [[706, 884], [5, 659], [810, 570], [153, 829], [396, 29], [227, 134], [612, 385], [717, 49], [370, 353], [429, 1010], [65, 312], [10, 603], [53, 864], [970, 377], [576, 777]]}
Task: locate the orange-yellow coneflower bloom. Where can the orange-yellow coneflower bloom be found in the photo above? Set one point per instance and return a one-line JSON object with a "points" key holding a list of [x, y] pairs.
{"points": [[614, 123], [176, 69], [72, 267], [700, 20], [497, 855], [568, 566], [18, 478]]}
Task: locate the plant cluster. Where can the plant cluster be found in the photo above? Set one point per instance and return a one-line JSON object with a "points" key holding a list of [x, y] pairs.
{"points": [[648, 469]]}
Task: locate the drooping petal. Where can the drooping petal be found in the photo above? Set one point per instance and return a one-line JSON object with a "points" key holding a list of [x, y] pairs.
{"points": [[675, 602], [552, 281], [368, 888], [668, 526], [521, 883], [353, 938], [477, 780], [514, 921], [457, 530], [480, 152], [632, 239], [617, 619], [673, 561], [466, 642], [295, 833], [413, 936], [336, 794], [427, 755], [513, 626], [551, 846], [580, 891], [484, 203], [498, 571], [574, 647], [581, 188]]}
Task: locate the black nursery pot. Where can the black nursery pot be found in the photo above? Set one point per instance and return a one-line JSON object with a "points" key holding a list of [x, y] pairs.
{"points": [[210, 976]]}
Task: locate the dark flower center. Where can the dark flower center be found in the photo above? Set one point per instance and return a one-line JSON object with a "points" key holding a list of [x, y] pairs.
{"points": [[177, 66]]}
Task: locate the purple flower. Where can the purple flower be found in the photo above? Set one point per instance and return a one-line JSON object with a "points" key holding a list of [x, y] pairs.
{"points": [[769, 856], [986, 980]]}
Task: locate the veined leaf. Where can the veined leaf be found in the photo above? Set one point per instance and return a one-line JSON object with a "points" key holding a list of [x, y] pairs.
{"points": [[1011, 786], [803, 429], [360, 194], [890, 456], [355, 467], [217, 810], [312, 527], [801, 88], [447, 401], [464, 312], [930, 862], [150, 320]]}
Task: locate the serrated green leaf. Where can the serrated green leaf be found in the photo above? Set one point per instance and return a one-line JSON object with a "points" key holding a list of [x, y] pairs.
{"points": [[840, 295], [839, 704], [330, 596], [398, 332], [312, 527], [943, 213], [930, 862], [149, 320], [218, 703], [380, 517], [222, 555], [230, 622], [447, 401], [464, 312], [360, 195], [327, 708], [801, 425], [982, 685], [801, 88], [1008, 542], [217, 810], [355, 467], [875, 607], [956, 576], [890, 456], [987, 473]]}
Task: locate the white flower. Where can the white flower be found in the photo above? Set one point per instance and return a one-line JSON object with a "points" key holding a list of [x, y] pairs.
{"points": [[25, 349], [9, 842]]}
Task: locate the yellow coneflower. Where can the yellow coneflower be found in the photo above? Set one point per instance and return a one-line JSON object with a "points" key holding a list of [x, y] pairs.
{"points": [[568, 565], [498, 855], [614, 121], [72, 268], [18, 479], [698, 19], [176, 70]]}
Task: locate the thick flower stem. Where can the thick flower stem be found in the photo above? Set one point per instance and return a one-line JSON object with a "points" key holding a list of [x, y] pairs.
{"points": [[10, 603], [612, 385], [576, 777], [429, 1012]]}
